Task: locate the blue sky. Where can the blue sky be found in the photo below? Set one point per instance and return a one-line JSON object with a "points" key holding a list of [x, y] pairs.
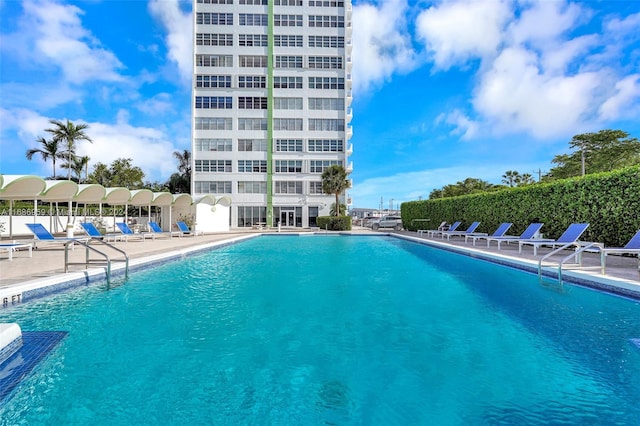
{"points": [[443, 90]]}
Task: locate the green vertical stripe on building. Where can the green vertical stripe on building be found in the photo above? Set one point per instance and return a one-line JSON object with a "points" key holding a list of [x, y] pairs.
{"points": [[270, 117]]}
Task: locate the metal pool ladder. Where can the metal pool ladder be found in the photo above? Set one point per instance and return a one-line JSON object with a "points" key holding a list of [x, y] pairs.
{"points": [[107, 260], [577, 254]]}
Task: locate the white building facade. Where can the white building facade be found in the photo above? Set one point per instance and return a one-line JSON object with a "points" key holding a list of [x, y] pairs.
{"points": [[271, 106]]}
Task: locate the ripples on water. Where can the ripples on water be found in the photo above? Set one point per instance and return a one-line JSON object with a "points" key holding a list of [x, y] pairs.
{"points": [[332, 330]]}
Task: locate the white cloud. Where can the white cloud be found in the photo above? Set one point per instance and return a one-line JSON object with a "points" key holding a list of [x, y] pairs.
{"points": [[625, 102], [159, 104], [179, 39], [58, 38], [542, 22], [460, 30], [516, 95], [381, 43], [463, 125]]}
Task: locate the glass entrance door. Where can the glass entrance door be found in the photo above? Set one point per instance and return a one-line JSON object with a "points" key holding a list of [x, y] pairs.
{"points": [[287, 217]]}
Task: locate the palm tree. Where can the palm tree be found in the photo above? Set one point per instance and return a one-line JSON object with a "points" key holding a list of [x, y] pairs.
{"points": [[69, 134], [511, 178], [181, 181], [334, 181], [78, 165], [50, 149]]}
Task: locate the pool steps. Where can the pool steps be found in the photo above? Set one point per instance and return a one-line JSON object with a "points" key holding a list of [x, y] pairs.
{"points": [[10, 340]]}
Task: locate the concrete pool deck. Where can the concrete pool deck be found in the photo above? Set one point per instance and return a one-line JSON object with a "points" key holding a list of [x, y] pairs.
{"points": [[47, 264]]}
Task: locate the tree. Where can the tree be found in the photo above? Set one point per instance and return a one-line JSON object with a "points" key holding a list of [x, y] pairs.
{"points": [[181, 182], [511, 178], [120, 173], [334, 181], [332, 210], [49, 149], [603, 151], [467, 186], [69, 133], [78, 165]]}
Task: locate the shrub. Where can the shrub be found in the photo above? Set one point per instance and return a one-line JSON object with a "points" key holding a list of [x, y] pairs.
{"points": [[334, 223]]}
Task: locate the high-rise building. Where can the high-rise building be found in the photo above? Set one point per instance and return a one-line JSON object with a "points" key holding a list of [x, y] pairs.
{"points": [[271, 106]]}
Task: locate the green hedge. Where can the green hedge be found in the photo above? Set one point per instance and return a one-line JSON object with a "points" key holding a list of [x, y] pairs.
{"points": [[334, 223], [609, 202]]}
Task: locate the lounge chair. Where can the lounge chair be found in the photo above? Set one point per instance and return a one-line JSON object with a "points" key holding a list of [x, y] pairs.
{"points": [[632, 247], [470, 230], [528, 234], [434, 232], [502, 229], [155, 228], [45, 237], [128, 232], [14, 246], [568, 237], [95, 233], [184, 228], [442, 227]]}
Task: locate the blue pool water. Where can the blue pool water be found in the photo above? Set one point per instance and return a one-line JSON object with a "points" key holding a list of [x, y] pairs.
{"points": [[331, 330]]}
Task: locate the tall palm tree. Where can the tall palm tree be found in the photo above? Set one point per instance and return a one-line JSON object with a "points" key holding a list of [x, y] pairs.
{"points": [[184, 162], [78, 165], [334, 181], [69, 134], [50, 149]]}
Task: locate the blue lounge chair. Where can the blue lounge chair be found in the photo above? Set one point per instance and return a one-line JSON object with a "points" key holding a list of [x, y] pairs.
{"points": [[502, 229], [184, 228], [528, 234], [45, 237], [128, 232], [632, 247], [155, 228], [470, 230], [14, 246], [94, 233], [569, 237], [434, 232]]}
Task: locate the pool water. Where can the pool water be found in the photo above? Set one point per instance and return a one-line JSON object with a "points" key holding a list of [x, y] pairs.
{"points": [[331, 330]]}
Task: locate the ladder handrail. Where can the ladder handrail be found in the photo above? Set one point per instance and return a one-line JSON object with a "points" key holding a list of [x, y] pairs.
{"points": [[88, 261], [576, 254]]}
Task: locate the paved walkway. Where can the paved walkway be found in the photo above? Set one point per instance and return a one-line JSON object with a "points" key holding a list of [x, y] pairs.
{"points": [[48, 260]]}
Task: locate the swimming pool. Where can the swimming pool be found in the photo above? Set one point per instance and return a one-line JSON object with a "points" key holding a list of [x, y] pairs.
{"points": [[331, 329]]}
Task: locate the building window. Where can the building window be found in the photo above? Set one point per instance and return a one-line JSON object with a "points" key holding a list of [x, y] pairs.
{"points": [[214, 39], [289, 145], [214, 60], [252, 145], [332, 104], [213, 166], [251, 187], [253, 19], [288, 166], [287, 20], [288, 62], [253, 61], [212, 187], [287, 124], [252, 40], [248, 102], [214, 102], [215, 1], [326, 41], [326, 3], [315, 188], [326, 83], [326, 124], [325, 145], [288, 2], [320, 21], [207, 18], [212, 123], [252, 166], [287, 103], [287, 82], [213, 145], [325, 62], [213, 81], [252, 124], [253, 2], [287, 40], [287, 187], [251, 215], [252, 81], [318, 166]]}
